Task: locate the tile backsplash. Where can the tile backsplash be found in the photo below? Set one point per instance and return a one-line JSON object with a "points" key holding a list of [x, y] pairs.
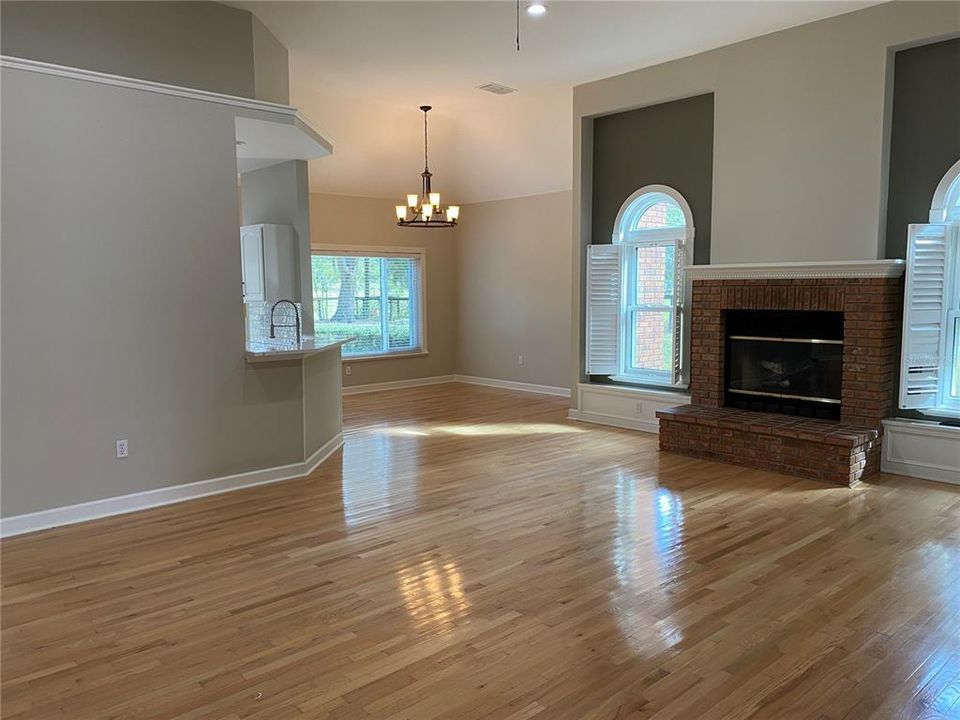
{"points": [[258, 321]]}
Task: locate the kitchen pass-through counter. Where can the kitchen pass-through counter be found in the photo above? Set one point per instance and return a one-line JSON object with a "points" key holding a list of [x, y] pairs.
{"points": [[261, 350]]}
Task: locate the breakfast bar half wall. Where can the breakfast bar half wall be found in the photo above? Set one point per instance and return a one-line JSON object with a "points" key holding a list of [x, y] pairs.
{"points": [[322, 436]]}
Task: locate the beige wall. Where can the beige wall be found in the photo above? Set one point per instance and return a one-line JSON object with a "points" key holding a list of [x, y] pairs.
{"points": [[121, 307], [799, 136], [355, 221], [203, 45], [271, 67], [514, 291], [497, 286]]}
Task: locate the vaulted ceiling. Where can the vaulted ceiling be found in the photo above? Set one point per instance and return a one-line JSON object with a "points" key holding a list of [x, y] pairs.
{"points": [[360, 70]]}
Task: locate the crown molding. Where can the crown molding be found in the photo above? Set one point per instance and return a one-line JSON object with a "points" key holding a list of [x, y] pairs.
{"points": [[44, 68], [798, 270], [286, 119]]}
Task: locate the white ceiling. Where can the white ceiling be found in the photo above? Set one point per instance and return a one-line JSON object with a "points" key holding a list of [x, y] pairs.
{"points": [[359, 71]]}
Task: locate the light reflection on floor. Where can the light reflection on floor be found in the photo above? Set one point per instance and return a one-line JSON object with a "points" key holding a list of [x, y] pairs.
{"points": [[378, 477], [475, 429], [432, 593], [647, 553], [383, 468]]}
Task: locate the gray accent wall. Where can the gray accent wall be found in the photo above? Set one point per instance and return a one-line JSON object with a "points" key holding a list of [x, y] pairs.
{"points": [[924, 134], [669, 143], [202, 45], [121, 305]]}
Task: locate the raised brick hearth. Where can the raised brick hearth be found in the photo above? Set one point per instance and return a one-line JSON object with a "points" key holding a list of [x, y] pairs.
{"points": [[818, 449], [840, 452]]}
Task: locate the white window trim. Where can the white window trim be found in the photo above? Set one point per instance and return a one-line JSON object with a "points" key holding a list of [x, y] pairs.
{"points": [[417, 253], [646, 238], [949, 406], [944, 205]]}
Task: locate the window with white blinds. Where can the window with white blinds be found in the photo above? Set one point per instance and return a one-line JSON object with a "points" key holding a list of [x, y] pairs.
{"points": [[635, 329], [372, 296], [651, 311]]}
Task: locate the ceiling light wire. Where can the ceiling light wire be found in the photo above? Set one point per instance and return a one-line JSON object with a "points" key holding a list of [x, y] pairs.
{"points": [[518, 25]]}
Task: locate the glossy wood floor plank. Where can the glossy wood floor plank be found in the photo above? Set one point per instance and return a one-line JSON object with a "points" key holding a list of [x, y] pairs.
{"points": [[472, 554]]}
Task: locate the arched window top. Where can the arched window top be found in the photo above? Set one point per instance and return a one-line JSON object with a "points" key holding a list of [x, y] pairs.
{"points": [[656, 210], [653, 211], [946, 198]]}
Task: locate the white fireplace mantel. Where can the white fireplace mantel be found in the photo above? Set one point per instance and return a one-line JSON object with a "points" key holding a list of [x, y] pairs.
{"points": [[797, 270]]}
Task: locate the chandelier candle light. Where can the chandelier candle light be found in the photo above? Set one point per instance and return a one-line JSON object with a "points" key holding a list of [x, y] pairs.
{"points": [[424, 210]]}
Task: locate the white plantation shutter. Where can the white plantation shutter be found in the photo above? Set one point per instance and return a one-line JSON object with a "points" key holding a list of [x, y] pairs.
{"points": [[603, 309], [924, 314]]}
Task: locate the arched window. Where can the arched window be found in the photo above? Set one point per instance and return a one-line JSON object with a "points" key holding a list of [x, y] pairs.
{"points": [[655, 229], [946, 198], [650, 209], [930, 360]]}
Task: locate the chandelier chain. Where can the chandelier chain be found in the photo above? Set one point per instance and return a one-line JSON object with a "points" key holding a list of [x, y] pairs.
{"points": [[426, 164]]}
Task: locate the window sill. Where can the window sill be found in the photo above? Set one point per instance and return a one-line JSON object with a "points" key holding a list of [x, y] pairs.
{"points": [[647, 385], [941, 412], [383, 356]]}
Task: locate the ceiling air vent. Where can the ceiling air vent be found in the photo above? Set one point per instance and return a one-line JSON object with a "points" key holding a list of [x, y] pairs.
{"points": [[496, 89]]}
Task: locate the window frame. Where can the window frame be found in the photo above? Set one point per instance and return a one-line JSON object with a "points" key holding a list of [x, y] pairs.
{"points": [[946, 204], [950, 404], [945, 209], [418, 254], [631, 240]]}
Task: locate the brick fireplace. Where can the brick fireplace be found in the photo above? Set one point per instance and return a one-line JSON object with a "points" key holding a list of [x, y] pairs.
{"points": [[792, 414]]}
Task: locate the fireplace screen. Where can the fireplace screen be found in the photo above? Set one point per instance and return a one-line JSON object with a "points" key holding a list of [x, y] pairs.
{"points": [[786, 362]]}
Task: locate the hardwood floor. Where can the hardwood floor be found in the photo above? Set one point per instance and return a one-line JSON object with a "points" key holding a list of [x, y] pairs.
{"points": [[471, 554]]}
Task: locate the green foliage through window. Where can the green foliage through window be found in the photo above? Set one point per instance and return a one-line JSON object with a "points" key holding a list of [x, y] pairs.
{"points": [[374, 299]]}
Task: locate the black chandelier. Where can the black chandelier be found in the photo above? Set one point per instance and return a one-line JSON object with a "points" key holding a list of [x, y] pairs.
{"points": [[424, 210]]}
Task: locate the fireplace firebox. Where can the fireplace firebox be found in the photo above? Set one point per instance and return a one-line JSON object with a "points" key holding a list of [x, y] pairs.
{"points": [[784, 361]]}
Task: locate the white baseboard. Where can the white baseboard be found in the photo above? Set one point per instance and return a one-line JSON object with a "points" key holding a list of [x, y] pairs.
{"points": [[55, 517], [399, 384], [647, 426], [513, 385], [921, 450], [467, 379]]}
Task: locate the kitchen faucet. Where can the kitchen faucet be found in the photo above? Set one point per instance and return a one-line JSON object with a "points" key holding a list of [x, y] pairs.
{"points": [[296, 313]]}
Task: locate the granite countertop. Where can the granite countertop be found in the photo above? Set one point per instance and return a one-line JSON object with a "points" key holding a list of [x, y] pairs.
{"points": [[266, 350]]}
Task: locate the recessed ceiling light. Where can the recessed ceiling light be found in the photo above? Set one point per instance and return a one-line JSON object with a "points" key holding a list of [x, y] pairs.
{"points": [[536, 8]]}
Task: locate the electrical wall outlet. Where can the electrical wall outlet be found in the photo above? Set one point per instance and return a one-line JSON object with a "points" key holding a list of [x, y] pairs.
{"points": [[346, 369], [520, 360], [122, 449], [639, 408]]}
